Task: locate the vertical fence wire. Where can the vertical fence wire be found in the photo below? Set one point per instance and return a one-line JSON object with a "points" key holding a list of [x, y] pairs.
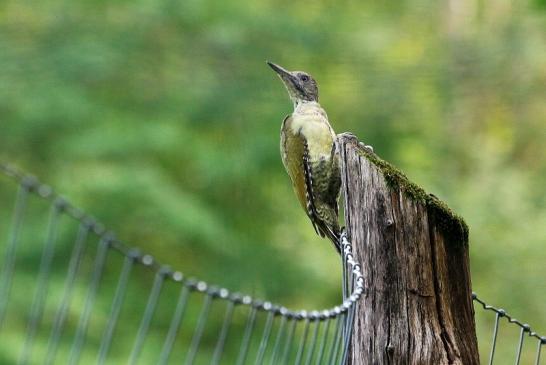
{"points": [[288, 344], [541, 342], [520, 346], [335, 341], [8, 264], [243, 351], [347, 323], [60, 316], [176, 320], [196, 340], [40, 293], [278, 340], [148, 313], [303, 340], [83, 322], [119, 294], [265, 335], [494, 342], [222, 336], [323, 341], [314, 336]]}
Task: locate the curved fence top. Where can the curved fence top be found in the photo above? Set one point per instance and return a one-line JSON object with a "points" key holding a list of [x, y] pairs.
{"points": [[30, 183], [292, 340]]}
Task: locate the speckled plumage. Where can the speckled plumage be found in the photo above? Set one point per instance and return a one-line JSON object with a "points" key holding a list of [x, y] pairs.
{"points": [[308, 151]]}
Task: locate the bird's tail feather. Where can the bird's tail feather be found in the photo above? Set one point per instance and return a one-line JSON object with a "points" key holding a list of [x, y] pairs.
{"points": [[334, 236]]}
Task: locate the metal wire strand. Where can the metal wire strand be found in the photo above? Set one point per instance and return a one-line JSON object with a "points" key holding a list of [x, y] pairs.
{"points": [[494, 342], [502, 313], [243, 351], [541, 342], [344, 274], [60, 316], [119, 295], [83, 322], [219, 349], [288, 344], [338, 349], [11, 249], [278, 339], [175, 324], [348, 334], [40, 293], [349, 321], [335, 341], [265, 338], [314, 337], [520, 345], [148, 313], [323, 342], [301, 347], [196, 340]]}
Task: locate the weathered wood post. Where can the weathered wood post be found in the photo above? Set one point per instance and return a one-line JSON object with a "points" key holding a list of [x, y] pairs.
{"points": [[417, 307]]}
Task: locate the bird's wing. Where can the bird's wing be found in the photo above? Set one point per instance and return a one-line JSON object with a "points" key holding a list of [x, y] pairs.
{"points": [[284, 140], [309, 196], [295, 157]]}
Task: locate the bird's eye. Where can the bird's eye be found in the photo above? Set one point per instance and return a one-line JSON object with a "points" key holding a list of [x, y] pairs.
{"points": [[304, 78]]}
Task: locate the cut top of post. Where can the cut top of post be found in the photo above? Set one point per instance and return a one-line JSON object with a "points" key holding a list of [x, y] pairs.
{"points": [[452, 225]]}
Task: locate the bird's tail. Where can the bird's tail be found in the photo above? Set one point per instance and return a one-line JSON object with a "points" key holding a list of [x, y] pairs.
{"points": [[334, 235]]}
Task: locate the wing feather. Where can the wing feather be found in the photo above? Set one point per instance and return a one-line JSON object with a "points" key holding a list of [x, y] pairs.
{"points": [[299, 165], [309, 196]]}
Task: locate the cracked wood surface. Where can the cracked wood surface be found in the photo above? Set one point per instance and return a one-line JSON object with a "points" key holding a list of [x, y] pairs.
{"points": [[417, 307]]}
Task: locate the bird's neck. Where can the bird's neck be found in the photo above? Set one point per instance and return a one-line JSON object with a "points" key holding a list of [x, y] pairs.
{"points": [[308, 107], [301, 102]]}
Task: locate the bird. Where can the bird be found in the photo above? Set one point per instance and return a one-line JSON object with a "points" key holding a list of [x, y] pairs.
{"points": [[309, 153]]}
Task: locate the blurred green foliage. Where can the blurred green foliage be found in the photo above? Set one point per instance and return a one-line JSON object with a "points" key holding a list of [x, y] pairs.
{"points": [[162, 119]]}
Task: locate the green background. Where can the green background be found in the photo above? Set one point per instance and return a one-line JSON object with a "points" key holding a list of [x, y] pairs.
{"points": [[162, 119]]}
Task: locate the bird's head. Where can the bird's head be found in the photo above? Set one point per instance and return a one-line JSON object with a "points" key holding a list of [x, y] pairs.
{"points": [[300, 85]]}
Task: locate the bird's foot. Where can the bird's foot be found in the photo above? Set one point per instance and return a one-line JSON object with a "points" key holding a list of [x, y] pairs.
{"points": [[347, 135], [366, 147], [351, 136]]}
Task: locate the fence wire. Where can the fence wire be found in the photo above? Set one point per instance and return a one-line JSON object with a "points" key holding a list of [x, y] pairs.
{"points": [[525, 332], [265, 332], [183, 320]]}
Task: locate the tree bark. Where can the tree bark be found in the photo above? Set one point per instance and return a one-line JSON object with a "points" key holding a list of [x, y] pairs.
{"points": [[417, 306]]}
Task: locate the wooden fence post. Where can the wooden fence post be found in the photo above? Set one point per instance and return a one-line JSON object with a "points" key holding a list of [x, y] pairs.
{"points": [[417, 306]]}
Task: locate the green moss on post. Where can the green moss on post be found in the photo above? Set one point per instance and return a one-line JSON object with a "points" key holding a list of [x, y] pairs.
{"points": [[452, 225]]}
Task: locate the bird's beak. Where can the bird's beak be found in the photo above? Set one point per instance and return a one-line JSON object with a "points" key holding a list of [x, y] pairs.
{"points": [[279, 70], [286, 76]]}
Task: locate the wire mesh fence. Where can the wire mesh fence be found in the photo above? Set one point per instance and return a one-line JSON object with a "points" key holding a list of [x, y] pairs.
{"points": [[180, 320], [55, 308], [526, 334]]}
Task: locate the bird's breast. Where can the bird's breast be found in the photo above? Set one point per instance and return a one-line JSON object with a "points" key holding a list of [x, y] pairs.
{"points": [[317, 133]]}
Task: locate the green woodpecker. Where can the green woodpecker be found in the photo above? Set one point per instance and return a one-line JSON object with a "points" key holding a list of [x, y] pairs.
{"points": [[309, 153]]}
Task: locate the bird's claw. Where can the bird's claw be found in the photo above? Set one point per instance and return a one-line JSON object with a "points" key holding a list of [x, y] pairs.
{"points": [[346, 135], [350, 135], [366, 147]]}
